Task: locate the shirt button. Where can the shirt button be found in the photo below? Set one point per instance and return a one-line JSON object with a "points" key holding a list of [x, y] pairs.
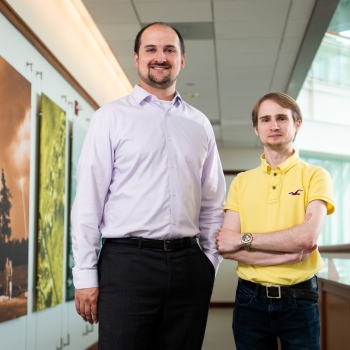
{"points": [[172, 165], [174, 222], [274, 174], [273, 187], [174, 193], [169, 138]]}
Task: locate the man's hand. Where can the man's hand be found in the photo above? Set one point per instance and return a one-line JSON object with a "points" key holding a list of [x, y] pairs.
{"points": [[228, 240], [86, 304], [268, 258], [306, 253]]}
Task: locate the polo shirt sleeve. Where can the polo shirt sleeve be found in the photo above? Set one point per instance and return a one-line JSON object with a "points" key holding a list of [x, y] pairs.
{"points": [[321, 188], [232, 196]]}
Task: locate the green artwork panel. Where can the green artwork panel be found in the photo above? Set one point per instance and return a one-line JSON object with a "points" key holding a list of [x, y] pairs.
{"points": [[51, 204], [78, 135], [15, 133]]}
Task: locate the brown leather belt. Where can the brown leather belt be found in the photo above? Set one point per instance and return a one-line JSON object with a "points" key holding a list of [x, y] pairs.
{"points": [[166, 245], [302, 290]]}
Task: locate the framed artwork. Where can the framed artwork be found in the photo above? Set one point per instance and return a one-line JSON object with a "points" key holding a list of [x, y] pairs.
{"points": [[51, 206], [15, 111]]}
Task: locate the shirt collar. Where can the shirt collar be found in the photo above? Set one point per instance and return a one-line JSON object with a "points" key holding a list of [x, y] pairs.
{"points": [[283, 167], [140, 94]]}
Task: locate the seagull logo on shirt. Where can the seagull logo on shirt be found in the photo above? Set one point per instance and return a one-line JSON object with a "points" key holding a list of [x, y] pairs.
{"points": [[296, 193]]}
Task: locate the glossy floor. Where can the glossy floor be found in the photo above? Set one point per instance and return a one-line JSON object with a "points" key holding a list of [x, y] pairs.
{"points": [[218, 335]]}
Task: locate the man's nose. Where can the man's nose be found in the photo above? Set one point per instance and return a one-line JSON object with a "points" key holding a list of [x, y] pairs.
{"points": [[274, 125], [160, 56]]}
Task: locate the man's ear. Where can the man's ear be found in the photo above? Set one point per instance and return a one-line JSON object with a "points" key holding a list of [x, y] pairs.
{"points": [[256, 130], [183, 59], [136, 59], [297, 125]]}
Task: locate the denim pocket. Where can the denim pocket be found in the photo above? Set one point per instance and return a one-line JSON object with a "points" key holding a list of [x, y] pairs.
{"points": [[301, 303], [244, 296], [305, 304]]}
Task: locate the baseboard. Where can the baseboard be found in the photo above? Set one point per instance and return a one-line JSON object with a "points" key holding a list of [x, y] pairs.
{"points": [[93, 347]]}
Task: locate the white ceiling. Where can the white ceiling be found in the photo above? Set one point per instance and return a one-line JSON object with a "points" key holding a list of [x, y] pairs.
{"points": [[254, 50]]}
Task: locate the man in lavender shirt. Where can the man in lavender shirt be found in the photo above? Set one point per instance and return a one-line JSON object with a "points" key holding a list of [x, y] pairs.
{"points": [[151, 182]]}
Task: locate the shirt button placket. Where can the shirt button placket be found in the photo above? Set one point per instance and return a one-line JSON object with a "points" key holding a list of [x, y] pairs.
{"points": [[172, 175]]}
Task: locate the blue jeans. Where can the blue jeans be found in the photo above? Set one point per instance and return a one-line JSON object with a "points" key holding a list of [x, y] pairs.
{"points": [[258, 321]]}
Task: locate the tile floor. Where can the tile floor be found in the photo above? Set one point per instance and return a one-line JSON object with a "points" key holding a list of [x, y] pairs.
{"points": [[218, 335]]}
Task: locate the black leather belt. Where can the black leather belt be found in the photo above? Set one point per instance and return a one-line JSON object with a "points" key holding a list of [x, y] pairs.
{"points": [[166, 245], [302, 290]]}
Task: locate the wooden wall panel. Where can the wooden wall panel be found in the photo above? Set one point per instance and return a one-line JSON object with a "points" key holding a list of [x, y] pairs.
{"points": [[334, 305], [337, 323]]}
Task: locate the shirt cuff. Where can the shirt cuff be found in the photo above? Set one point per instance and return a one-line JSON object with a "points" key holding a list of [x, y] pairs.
{"points": [[215, 260], [85, 278]]}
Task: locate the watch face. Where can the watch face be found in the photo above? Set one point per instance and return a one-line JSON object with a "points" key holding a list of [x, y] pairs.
{"points": [[246, 238]]}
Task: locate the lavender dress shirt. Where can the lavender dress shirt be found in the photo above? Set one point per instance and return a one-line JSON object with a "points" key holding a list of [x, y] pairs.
{"points": [[146, 172]]}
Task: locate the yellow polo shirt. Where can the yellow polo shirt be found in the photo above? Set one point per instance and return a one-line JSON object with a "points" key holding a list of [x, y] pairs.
{"points": [[271, 200]]}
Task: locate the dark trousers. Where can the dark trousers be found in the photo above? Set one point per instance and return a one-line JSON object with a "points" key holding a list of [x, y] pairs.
{"points": [[258, 321], [153, 300]]}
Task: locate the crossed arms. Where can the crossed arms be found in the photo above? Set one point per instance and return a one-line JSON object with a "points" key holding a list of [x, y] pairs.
{"points": [[273, 248]]}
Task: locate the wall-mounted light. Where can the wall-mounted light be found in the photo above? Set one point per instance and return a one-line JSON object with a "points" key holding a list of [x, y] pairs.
{"points": [[193, 94]]}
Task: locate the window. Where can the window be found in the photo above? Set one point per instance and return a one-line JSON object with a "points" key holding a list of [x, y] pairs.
{"points": [[337, 227]]}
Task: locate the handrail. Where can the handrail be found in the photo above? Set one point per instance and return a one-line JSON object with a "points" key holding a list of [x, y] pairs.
{"points": [[337, 34], [233, 172], [340, 248]]}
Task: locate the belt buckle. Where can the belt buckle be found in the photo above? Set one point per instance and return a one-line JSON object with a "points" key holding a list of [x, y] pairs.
{"points": [[165, 246], [274, 286]]}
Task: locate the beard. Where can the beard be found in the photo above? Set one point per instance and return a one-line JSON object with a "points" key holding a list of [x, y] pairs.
{"points": [[275, 145], [152, 81], [278, 144]]}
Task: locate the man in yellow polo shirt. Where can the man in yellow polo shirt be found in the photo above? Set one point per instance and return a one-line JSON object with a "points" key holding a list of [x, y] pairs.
{"points": [[274, 214]]}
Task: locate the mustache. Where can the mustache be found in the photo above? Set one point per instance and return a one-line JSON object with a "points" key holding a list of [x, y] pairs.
{"points": [[156, 64]]}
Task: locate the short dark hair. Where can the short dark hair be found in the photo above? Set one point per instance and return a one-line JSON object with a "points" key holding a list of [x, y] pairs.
{"points": [[139, 34], [283, 100]]}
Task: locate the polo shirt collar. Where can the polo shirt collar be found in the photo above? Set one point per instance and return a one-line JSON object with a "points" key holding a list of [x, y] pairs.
{"points": [[140, 94], [283, 167]]}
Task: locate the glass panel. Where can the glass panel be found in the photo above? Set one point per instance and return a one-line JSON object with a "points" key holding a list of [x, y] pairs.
{"points": [[341, 20], [342, 267], [337, 226], [326, 91], [332, 61]]}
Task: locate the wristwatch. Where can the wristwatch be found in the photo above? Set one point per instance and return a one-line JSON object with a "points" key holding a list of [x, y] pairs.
{"points": [[246, 240]]}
